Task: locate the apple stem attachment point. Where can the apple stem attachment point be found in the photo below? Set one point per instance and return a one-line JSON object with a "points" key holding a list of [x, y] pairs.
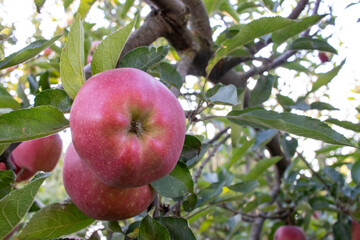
{"points": [[136, 128]]}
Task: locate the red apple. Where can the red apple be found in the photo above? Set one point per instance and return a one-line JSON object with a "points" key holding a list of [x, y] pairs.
{"points": [[355, 230], [289, 233], [89, 59], [2, 166], [39, 154], [22, 174], [127, 127], [47, 52], [94, 45], [98, 200], [323, 57]]}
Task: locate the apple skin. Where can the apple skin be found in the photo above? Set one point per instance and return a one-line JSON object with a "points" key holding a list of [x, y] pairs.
{"points": [[98, 200], [127, 127], [39, 154], [323, 57], [289, 233], [2, 166], [355, 230], [22, 174], [47, 52]]}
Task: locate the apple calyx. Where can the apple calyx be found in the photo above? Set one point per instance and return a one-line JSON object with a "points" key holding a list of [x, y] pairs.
{"points": [[136, 128]]}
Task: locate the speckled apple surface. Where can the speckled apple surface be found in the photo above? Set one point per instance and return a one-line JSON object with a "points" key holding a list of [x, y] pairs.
{"points": [[39, 154], [98, 200], [127, 127]]}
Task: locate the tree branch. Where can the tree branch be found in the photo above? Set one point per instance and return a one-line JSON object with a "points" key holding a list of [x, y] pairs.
{"points": [[206, 160], [5, 157]]}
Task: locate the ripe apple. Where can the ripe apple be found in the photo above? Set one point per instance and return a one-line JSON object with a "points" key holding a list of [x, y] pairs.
{"points": [[47, 52], [98, 200], [289, 233], [355, 230], [22, 174], [39, 154], [323, 57], [88, 59], [127, 127], [2, 166]]}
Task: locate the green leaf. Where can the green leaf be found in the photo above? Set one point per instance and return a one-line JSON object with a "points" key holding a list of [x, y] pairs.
{"points": [[263, 137], [150, 229], [325, 78], [27, 53], [341, 231], [21, 94], [345, 124], [15, 205], [244, 187], [3, 147], [191, 148], [295, 65], [212, 6], [175, 184], [26, 124], [126, 7], [322, 106], [84, 7], [144, 58], [291, 123], [312, 44], [260, 167], [246, 5], [72, 59], [54, 97], [355, 172], [177, 227], [215, 189], [237, 153], [190, 202], [295, 28], [169, 74], [222, 94], [7, 178], [6, 100], [44, 81], [55, 220], [248, 33], [226, 7], [108, 51], [262, 90], [39, 4], [33, 84], [67, 3]]}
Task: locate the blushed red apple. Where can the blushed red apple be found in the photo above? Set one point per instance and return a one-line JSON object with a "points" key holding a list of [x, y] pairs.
{"points": [[323, 57], [47, 52], [24, 175], [98, 200], [355, 230], [289, 233], [127, 127], [40, 154], [2, 166]]}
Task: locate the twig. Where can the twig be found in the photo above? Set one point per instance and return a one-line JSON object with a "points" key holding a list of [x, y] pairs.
{"points": [[218, 135], [5, 157], [206, 160], [313, 171]]}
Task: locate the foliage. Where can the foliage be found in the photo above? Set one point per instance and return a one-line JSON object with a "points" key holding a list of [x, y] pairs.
{"points": [[245, 157]]}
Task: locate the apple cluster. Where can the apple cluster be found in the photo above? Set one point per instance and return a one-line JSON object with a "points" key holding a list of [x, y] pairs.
{"points": [[40, 154], [127, 130]]}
